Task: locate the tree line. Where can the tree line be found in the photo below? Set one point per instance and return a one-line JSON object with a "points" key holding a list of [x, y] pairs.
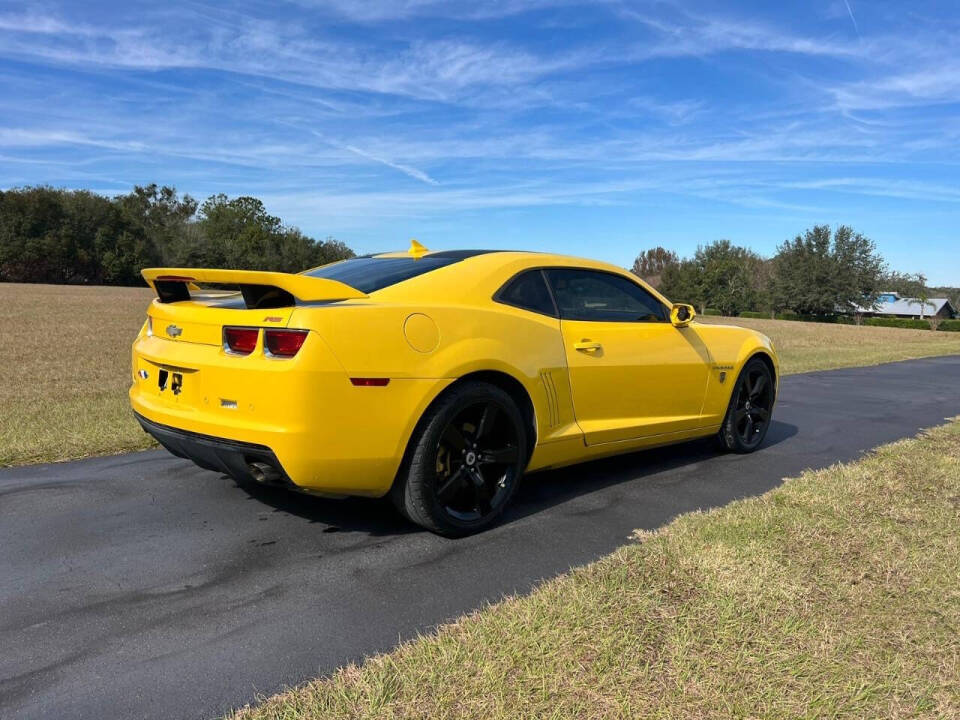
{"points": [[76, 236], [818, 273]]}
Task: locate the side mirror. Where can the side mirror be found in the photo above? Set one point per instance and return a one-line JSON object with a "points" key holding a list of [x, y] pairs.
{"points": [[682, 314]]}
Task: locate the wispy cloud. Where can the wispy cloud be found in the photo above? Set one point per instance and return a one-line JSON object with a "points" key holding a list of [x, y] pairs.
{"points": [[28, 138], [852, 18], [384, 10], [702, 35], [37, 23], [931, 85], [405, 169], [890, 188], [438, 70], [518, 195], [622, 113]]}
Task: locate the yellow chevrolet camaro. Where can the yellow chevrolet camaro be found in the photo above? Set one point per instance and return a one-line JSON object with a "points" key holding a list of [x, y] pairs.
{"points": [[437, 377]]}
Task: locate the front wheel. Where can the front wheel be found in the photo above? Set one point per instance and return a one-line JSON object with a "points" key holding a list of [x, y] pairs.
{"points": [[751, 406], [466, 458]]}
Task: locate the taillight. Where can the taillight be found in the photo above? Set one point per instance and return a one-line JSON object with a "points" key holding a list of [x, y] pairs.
{"points": [[284, 343], [240, 340]]}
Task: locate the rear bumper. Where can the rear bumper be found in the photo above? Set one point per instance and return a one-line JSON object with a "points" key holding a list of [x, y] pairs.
{"points": [[212, 453], [326, 434]]}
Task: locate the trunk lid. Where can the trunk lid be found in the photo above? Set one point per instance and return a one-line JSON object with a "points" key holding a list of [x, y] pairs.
{"points": [[200, 322]]}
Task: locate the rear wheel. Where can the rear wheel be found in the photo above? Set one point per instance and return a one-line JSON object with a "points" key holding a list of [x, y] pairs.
{"points": [[751, 405], [466, 458]]}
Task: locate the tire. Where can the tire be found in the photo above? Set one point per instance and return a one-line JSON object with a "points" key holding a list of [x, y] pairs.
{"points": [[750, 410], [464, 462]]}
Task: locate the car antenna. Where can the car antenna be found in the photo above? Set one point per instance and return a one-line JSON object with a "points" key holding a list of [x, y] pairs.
{"points": [[416, 249]]}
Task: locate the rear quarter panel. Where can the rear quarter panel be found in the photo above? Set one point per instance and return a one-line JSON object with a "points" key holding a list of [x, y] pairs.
{"points": [[369, 340]]}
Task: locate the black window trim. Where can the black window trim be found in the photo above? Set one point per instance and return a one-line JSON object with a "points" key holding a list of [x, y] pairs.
{"points": [[556, 305], [498, 295]]}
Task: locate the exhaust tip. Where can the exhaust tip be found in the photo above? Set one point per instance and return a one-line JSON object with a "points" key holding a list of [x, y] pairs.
{"points": [[264, 473]]}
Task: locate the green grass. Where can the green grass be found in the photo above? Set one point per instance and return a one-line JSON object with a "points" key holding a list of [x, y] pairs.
{"points": [[834, 596], [66, 355]]}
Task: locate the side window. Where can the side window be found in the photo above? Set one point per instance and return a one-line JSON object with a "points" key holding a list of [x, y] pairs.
{"points": [[601, 296], [528, 291]]}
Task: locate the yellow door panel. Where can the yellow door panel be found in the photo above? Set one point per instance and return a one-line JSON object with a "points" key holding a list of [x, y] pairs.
{"points": [[632, 373], [631, 380]]}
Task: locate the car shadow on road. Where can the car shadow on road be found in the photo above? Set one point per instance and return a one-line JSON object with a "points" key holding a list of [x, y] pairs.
{"points": [[374, 517], [542, 490], [537, 492]]}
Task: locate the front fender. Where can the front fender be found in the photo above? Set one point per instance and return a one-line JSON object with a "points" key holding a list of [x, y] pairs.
{"points": [[731, 348]]}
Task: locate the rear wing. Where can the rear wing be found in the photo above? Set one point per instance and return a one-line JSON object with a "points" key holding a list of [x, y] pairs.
{"points": [[259, 289]]}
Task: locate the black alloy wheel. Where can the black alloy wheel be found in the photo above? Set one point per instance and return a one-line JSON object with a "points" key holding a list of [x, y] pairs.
{"points": [[476, 461], [750, 409], [466, 461]]}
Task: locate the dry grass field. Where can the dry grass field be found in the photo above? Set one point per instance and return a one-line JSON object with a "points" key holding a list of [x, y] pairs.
{"points": [[820, 599], [807, 346], [66, 359], [66, 355]]}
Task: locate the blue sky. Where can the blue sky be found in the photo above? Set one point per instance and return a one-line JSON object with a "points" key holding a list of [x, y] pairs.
{"points": [[596, 128]]}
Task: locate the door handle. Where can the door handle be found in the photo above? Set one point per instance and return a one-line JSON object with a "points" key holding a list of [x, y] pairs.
{"points": [[587, 346]]}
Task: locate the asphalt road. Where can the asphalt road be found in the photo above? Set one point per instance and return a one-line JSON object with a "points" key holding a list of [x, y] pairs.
{"points": [[140, 586]]}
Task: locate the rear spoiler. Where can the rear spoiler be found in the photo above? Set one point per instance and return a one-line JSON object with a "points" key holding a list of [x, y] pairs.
{"points": [[260, 289]]}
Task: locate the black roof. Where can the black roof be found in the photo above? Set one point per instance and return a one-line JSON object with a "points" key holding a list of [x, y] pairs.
{"points": [[449, 254]]}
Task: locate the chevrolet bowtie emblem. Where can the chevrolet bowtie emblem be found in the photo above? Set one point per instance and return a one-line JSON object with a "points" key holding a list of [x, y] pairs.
{"points": [[174, 331]]}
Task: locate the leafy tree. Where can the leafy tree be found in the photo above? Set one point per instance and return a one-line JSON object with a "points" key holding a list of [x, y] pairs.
{"points": [[904, 284], [160, 217], [681, 283], [48, 235], [328, 250], [728, 276], [240, 233], [651, 263], [64, 236], [859, 269], [720, 275], [763, 282], [820, 273]]}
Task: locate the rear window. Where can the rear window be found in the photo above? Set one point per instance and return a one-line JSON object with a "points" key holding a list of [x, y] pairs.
{"points": [[529, 292], [369, 274]]}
